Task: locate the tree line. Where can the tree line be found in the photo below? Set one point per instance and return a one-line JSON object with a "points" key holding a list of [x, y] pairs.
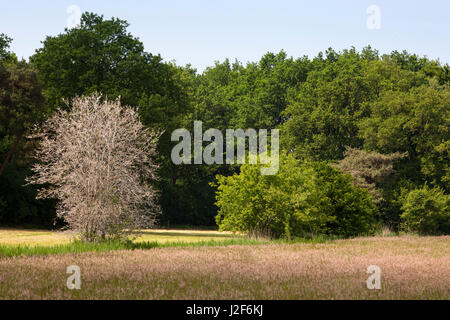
{"points": [[383, 119]]}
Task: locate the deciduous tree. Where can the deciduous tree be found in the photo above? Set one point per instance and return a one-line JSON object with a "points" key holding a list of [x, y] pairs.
{"points": [[96, 160]]}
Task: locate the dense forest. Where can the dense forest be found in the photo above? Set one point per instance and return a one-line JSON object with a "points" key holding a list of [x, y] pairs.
{"points": [[384, 119]]}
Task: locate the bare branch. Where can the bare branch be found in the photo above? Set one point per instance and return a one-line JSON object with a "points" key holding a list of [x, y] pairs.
{"points": [[97, 160]]}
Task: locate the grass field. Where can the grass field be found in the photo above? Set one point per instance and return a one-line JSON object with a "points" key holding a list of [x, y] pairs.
{"points": [[42, 237], [412, 268], [15, 242]]}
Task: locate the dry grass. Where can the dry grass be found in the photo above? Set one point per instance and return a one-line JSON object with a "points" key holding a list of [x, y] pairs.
{"points": [[42, 237], [164, 235], [33, 237], [412, 268]]}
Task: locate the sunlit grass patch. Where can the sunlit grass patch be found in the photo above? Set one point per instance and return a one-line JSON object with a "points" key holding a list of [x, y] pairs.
{"points": [[168, 235], [16, 242], [33, 237], [52, 238], [29, 243], [82, 247]]}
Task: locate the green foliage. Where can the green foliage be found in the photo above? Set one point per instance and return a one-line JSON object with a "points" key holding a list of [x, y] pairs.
{"points": [[19, 205], [21, 101], [303, 198], [418, 122], [230, 96], [21, 106], [4, 45], [254, 96], [376, 173], [430, 68], [426, 211], [323, 114], [370, 170], [97, 56]]}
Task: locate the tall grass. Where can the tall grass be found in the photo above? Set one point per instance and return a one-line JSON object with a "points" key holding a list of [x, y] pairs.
{"points": [[78, 246], [412, 268], [73, 247]]}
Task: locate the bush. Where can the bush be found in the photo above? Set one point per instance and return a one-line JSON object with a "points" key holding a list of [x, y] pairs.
{"points": [[426, 211], [303, 198]]}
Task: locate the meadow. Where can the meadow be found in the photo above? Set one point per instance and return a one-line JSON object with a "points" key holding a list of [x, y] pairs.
{"points": [[188, 264], [45, 237]]}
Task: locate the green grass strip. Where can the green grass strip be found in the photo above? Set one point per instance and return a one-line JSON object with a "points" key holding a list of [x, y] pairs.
{"points": [[80, 247]]}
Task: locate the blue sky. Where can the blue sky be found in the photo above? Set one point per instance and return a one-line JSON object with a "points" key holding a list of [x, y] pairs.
{"points": [[201, 32]]}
